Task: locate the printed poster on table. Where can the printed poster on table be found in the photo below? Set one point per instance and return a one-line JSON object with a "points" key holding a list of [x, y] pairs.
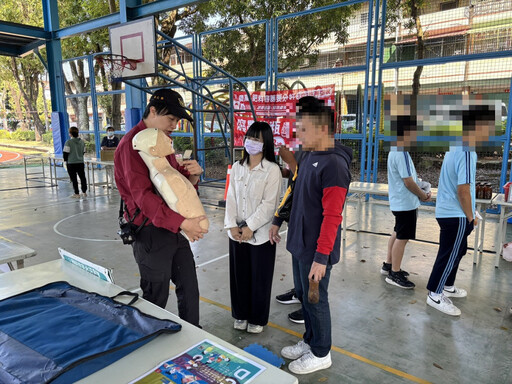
{"points": [[204, 363], [276, 108]]}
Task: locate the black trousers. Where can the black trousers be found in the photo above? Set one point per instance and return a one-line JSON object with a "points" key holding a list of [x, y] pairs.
{"points": [[163, 256], [73, 171], [251, 269], [453, 244]]}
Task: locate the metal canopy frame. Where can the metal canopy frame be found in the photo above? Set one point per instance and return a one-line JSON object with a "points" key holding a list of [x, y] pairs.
{"points": [[201, 93]]}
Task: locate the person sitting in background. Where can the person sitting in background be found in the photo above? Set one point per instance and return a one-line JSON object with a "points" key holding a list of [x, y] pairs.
{"points": [[110, 143]]}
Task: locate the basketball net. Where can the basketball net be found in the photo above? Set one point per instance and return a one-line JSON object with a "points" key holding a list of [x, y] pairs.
{"points": [[114, 65]]}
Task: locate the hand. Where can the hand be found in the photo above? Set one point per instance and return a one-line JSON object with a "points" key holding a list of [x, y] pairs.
{"points": [[192, 228], [426, 197], [193, 167], [236, 233], [273, 234], [475, 221], [246, 234], [317, 271]]}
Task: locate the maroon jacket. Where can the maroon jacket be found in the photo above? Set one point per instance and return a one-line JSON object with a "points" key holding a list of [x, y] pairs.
{"points": [[136, 188]]}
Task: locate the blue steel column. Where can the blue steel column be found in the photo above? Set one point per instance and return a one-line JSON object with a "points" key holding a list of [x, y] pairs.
{"points": [[134, 97], [94, 102], [379, 94], [366, 83], [54, 57], [371, 127], [197, 104], [506, 146]]}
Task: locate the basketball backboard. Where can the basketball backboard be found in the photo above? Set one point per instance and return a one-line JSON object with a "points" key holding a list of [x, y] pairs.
{"points": [[135, 40]]}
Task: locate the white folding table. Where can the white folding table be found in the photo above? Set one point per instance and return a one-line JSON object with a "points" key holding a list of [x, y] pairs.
{"points": [[144, 358], [361, 189], [11, 251], [505, 213]]}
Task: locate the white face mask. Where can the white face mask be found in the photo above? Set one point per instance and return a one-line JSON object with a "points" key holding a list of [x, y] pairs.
{"points": [[253, 147], [110, 134]]}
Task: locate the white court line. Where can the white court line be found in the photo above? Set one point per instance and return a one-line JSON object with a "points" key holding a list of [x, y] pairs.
{"points": [[227, 254], [74, 237]]}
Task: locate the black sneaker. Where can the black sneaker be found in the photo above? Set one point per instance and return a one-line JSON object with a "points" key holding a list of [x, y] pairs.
{"points": [[386, 268], [400, 280], [296, 317], [288, 297]]}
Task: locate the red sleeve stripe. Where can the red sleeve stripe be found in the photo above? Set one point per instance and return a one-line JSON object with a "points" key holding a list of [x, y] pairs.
{"points": [[332, 202]]}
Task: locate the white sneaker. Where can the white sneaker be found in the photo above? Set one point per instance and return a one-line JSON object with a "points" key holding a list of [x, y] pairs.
{"points": [[293, 352], [240, 325], [84, 195], [455, 292], [309, 363], [75, 196], [444, 305], [253, 328]]}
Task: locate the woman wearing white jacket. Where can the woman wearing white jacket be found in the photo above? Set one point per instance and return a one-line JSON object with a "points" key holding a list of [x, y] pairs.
{"points": [[253, 196]]}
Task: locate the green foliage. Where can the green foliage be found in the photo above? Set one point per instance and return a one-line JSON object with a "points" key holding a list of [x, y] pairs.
{"points": [[214, 156], [181, 143], [23, 135], [242, 51], [90, 147], [48, 138], [5, 135]]}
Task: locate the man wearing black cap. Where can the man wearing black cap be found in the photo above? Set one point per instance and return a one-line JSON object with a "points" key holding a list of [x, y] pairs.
{"points": [[161, 251], [314, 231]]}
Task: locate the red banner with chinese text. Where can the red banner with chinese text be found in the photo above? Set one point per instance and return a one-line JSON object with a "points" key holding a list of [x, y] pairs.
{"points": [[277, 108]]}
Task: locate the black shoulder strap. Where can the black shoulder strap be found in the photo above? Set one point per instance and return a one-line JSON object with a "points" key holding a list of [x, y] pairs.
{"points": [[123, 208]]}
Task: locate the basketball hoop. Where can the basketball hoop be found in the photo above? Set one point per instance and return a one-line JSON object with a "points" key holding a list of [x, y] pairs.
{"points": [[114, 65]]}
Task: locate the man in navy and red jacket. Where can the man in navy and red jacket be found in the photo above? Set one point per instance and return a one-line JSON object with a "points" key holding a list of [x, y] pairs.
{"points": [[161, 251], [314, 230]]}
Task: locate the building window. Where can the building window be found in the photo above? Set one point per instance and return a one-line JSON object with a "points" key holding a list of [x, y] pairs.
{"points": [[448, 5], [364, 18]]}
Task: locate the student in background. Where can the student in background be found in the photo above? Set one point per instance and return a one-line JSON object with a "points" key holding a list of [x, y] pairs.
{"points": [[404, 199], [455, 208], [73, 152]]}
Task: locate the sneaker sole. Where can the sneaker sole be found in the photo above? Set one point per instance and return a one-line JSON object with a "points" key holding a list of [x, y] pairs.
{"points": [[296, 321], [294, 301], [305, 372], [389, 281], [440, 310]]}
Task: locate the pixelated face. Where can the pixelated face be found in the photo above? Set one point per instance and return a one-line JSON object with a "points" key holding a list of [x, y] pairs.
{"points": [[311, 132], [442, 122], [483, 130]]}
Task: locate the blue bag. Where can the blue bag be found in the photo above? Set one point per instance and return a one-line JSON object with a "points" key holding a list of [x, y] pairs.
{"points": [[59, 333]]}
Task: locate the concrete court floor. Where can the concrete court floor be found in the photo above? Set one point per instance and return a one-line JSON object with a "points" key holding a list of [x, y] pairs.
{"points": [[381, 333]]}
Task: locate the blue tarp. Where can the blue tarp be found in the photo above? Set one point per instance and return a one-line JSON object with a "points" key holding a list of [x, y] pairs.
{"points": [[59, 333]]}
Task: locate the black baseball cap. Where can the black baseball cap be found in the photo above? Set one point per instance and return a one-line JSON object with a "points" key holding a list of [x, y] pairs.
{"points": [[173, 101]]}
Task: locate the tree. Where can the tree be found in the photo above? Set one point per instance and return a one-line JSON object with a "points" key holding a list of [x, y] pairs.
{"points": [[26, 72], [241, 52], [411, 10], [71, 13]]}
